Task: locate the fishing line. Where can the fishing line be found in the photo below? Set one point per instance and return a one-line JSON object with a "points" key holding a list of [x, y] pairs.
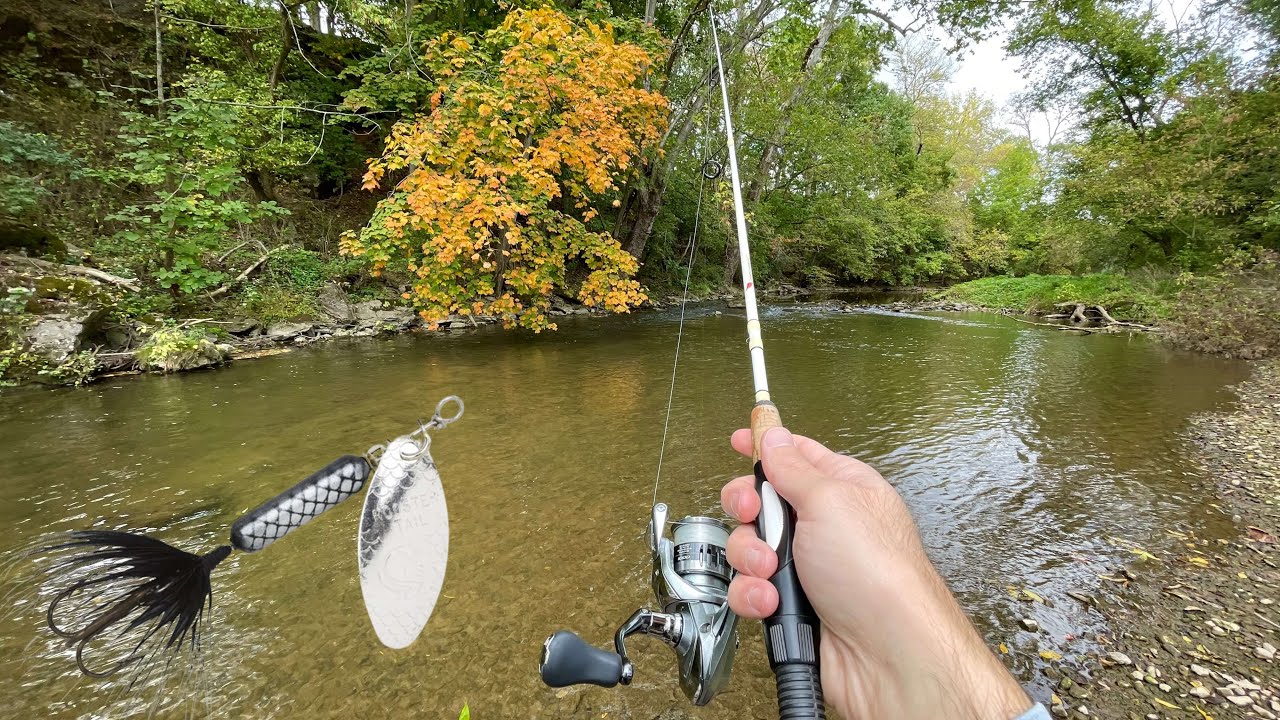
{"points": [[684, 297]]}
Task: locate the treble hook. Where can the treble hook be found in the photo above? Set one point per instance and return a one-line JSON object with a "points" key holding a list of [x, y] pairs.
{"points": [[116, 613]]}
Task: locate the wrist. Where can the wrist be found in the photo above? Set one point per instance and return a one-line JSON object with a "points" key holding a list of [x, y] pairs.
{"points": [[942, 667]]}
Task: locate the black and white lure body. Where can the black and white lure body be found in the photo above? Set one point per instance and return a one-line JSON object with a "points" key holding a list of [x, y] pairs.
{"points": [[136, 599], [300, 504]]}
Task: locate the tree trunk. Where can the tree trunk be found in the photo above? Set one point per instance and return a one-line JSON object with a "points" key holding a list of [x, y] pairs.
{"points": [[811, 59], [643, 200], [286, 46], [159, 61], [263, 184]]}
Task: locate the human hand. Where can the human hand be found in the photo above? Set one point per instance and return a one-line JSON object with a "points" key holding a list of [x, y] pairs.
{"points": [[895, 643]]}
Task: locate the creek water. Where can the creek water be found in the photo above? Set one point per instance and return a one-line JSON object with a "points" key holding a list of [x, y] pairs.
{"points": [[1030, 458]]}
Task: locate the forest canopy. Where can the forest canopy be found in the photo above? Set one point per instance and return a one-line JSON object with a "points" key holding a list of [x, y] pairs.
{"points": [[482, 157]]}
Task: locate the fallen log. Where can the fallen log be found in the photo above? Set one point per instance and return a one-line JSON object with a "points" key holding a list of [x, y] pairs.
{"points": [[1107, 316], [73, 270], [223, 258]]}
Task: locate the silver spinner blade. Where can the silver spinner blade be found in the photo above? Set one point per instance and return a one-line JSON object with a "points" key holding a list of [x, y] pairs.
{"points": [[404, 542]]}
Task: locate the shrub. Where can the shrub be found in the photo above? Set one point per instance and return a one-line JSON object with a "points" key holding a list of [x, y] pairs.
{"points": [[1236, 314], [172, 349]]}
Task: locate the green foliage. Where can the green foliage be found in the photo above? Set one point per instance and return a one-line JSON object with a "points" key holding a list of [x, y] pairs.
{"points": [[272, 303], [306, 270], [188, 159], [75, 370], [170, 349], [1122, 295], [26, 159], [14, 302]]}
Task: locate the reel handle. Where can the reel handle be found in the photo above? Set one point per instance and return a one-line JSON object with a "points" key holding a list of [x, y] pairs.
{"points": [[568, 660], [293, 508], [791, 634]]}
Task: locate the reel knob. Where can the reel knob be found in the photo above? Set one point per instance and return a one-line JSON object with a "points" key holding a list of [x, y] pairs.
{"points": [[568, 660]]}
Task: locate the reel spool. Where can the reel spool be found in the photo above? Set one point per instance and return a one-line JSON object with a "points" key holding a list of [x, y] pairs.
{"points": [[691, 583]]}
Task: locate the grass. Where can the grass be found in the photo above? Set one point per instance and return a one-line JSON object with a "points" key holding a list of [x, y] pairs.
{"points": [[1145, 297]]}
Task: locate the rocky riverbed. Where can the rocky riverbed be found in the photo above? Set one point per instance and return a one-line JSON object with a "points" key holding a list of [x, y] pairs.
{"points": [[1194, 629]]}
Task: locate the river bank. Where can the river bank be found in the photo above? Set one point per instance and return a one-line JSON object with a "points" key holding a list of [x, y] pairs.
{"points": [[1194, 629]]}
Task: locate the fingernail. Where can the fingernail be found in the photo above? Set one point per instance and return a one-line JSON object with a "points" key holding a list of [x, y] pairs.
{"points": [[732, 503], [755, 598], [754, 559], [777, 437]]}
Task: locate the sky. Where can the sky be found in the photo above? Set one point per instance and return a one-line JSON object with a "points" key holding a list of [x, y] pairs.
{"points": [[985, 68]]}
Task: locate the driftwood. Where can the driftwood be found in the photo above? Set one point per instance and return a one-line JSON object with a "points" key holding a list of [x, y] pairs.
{"points": [[226, 287], [1055, 326], [1081, 313], [73, 270]]}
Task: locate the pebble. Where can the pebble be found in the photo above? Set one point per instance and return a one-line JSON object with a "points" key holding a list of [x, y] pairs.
{"points": [[1266, 652], [1199, 670], [1029, 625], [1200, 691], [1165, 687], [1119, 658], [1240, 700]]}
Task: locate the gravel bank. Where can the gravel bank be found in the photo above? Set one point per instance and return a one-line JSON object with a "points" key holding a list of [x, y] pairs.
{"points": [[1195, 634]]}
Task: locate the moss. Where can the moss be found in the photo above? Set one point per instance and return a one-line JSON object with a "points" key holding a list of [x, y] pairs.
{"points": [[272, 303], [175, 349]]}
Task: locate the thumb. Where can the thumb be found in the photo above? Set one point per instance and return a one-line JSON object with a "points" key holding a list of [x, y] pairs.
{"points": [[787, 468]]}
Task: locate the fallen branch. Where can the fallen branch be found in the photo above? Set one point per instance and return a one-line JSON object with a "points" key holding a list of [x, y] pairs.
{"points": [[226, 287], [1071, 328], [189, 323], [223, 258], [1107, 316], [74, 270]]}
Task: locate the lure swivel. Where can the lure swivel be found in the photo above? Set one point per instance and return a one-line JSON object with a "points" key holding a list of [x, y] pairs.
{"points": [[691, 583]]}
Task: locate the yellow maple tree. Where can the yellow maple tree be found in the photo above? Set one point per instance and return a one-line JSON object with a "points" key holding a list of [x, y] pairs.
{"points": [[532, 124]]}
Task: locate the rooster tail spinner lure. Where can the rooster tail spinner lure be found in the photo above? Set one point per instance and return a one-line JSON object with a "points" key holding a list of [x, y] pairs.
{"points": [[404, 535], [135, 599]]}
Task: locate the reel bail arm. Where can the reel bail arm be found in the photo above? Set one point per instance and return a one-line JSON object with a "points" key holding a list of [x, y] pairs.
{"points": [[691, 583]]}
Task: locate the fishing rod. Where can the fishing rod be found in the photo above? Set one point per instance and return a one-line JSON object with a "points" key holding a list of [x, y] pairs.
{"points": [[690, 569], [147, 599]]}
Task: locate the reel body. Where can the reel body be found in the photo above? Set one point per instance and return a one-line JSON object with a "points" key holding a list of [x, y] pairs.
{"points": [[691, 584]]}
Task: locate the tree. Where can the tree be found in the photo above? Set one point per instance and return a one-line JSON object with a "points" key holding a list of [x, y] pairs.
{"points": [[530, 125]]}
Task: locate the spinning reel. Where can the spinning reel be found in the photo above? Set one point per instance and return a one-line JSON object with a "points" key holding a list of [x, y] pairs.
{"points": [[691, 581]]}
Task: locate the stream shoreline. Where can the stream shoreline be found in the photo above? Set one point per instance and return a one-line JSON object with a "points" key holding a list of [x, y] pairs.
{"points": [[1194, 629]]}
